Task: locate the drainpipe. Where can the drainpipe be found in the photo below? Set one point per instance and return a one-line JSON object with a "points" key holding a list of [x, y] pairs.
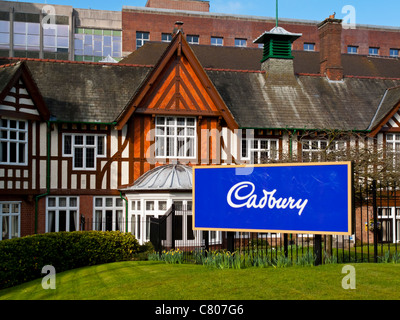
{"points": [[47, 178], [126, 211]]}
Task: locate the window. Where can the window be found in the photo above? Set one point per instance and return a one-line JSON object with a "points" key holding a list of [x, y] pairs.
{"points": [[26, 36], [175, 137], [13, 142], [389, 217], [394, 53], [4, 34], [317, 150], [393, 147], [84, 149], [96, 44], [108, 214], [240, 43], [142, 38], [393, 143], [352, 49], [217, 41], [373, 51], [166, 37], [309, 46], [10, 218], [56, 38], [62, 214], [183, 226], [260, 150], [192, 39]]}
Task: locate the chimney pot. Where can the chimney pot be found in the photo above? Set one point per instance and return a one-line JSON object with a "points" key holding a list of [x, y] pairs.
{"points": [[177, 27]]}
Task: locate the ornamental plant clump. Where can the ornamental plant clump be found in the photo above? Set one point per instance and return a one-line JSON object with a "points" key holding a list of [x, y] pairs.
{"points": [[22, 259]]}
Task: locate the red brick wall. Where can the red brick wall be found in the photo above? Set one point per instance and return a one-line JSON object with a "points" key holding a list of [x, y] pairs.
{"points": [[230, 28], [363, 215], [205, 27], [189, 5]]}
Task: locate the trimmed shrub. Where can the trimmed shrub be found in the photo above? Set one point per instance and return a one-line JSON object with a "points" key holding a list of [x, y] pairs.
{"points": [[22, 259]]}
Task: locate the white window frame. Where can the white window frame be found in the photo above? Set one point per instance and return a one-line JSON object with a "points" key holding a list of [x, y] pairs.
{"points": [[193, 39], [253, 149], [308, 46], [373, 51], [58, 207], [14, 211], [352, 49], [393, 147], [387, 213], [169, 137], [394, 53], [6, 129], [240, 43], [168, 37], [316, 147], [104, 204], [84, 146], [141, 39], [217, 41]]}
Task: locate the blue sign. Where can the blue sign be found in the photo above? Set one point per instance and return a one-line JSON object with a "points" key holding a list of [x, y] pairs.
{"points": [[288, 198]]}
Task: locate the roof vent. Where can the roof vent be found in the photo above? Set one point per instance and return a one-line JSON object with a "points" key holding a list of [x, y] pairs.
{"points": [[277, 43]]}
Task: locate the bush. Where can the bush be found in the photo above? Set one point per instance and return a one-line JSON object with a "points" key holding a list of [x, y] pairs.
{"points": [[22, 259]]}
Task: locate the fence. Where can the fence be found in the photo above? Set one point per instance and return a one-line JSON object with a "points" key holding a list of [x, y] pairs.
{"points": [[375, 238]]}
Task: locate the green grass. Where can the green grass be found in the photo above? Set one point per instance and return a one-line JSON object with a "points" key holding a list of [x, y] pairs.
{"points": [[147, 280]]}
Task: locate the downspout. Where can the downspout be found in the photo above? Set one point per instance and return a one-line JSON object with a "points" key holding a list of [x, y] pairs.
{"points": [[126, 211], [47, 178]]}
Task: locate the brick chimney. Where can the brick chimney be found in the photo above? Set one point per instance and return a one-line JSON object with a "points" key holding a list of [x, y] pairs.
{"points": [[330, 34]]}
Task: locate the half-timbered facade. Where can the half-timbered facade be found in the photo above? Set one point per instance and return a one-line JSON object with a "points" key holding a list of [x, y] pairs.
{"points": [[77, 138]]}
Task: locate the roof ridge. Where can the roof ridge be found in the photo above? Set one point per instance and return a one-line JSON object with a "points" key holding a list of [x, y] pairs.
{"points": [[234, 70], [10, 64], [370, 77], [75, 62], [395, 87]]}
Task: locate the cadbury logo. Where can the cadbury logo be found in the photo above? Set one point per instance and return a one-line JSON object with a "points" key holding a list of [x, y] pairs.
{"points": [[247, 198]]}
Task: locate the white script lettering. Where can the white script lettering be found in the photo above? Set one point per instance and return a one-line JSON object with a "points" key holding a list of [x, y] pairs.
{"points": [[249, 200]]}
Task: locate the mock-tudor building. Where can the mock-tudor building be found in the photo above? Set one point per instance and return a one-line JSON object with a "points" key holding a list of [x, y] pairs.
{"points": [[105, 146]]}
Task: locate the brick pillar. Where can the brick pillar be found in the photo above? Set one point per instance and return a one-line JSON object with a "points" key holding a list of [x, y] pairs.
{"points": [[330, 34]]}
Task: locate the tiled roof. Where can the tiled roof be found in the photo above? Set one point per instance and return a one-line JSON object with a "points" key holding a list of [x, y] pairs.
{"points": [[85, 92], [95, 92]]}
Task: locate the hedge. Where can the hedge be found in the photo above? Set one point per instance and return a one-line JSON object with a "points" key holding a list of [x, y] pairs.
{"points": [[22, 259]]}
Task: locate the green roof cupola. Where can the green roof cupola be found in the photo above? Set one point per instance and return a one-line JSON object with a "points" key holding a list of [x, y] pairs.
{"points": [[277, 42]]}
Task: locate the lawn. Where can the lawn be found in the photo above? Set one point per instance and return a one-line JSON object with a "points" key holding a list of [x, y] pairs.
{"points": [[147, 280]]}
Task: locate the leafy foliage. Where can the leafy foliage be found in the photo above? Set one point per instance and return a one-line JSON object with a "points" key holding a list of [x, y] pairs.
{"points": [[22, 259]]}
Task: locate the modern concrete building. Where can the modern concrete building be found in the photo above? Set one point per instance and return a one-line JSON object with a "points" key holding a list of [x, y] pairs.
{"points": [[43, 31]]}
